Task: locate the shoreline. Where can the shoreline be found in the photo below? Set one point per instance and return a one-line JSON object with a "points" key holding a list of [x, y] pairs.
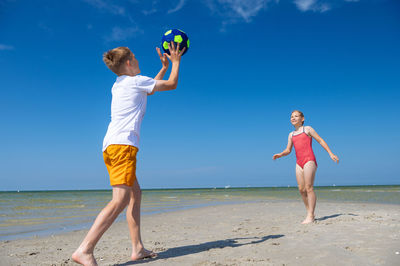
{"points": [[294, 186], [120, 218], [257, 233], [86, 226]]}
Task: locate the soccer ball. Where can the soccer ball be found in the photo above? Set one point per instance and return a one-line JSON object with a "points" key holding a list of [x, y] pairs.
{"points": [[176, 36]]}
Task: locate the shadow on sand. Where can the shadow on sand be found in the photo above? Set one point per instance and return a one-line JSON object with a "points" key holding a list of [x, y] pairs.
{"points": [[334, 216], [192, 249]]}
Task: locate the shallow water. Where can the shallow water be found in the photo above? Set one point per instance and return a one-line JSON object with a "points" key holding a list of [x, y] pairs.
{"points": [[26, 214]]}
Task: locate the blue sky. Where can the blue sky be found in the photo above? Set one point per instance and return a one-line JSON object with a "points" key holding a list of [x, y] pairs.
{"points": [[250, 64]]}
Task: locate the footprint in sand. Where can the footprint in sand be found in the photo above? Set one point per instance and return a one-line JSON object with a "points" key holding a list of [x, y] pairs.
{"points": [[236, 229]]}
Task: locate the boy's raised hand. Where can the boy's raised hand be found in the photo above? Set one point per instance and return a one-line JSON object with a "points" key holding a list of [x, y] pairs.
{"points": [[163, 58], [175, 54]]}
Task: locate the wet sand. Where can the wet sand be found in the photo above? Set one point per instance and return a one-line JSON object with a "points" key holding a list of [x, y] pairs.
{"points": [[262, 233]]}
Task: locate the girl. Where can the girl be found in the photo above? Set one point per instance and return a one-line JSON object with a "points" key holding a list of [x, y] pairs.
{"points": [[306, 164]]}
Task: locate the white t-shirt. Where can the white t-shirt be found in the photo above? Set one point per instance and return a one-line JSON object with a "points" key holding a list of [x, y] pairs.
{"points": [[128, 106]]}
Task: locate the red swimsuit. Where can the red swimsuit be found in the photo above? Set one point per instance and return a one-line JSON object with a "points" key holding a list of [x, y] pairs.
{"points": [[303, 147]]}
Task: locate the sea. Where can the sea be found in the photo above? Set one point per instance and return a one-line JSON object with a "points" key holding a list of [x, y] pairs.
{"points": [[26, 214]]}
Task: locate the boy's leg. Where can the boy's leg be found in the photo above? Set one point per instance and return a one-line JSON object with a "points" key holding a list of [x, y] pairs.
{"points": [[133, 219], [120, 198], [301, 184], [309, 176]]}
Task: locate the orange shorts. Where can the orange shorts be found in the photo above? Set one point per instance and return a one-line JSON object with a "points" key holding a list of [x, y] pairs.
{"points": [[121, 164]]}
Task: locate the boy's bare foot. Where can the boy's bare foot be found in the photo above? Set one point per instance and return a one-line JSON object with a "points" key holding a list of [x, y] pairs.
{"points": [[308, 220], [143, 254], [85, 259]]}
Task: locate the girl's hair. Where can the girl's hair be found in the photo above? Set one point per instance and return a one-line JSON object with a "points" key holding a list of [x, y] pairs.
{"points": [[300, 113], [116, 58]]}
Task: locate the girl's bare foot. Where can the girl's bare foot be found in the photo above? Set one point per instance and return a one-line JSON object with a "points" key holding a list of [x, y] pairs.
{"points": [[309, 219], [143, 254], [86, 259]]}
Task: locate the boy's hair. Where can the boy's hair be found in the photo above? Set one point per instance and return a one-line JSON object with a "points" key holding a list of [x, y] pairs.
{"points": [[300, 113], [116, 58]]}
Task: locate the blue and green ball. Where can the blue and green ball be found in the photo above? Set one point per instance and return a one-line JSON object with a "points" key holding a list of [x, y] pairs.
{"points": [[176, 36]]}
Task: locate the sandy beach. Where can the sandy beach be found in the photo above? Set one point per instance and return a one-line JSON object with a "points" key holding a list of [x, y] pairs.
{"points": [[261, 233]]}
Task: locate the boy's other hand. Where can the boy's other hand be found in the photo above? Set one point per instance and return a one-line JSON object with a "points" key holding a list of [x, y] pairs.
{"points": [[175, 55], [163, 58]]}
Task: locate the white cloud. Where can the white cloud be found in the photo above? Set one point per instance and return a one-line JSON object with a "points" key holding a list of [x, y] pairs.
{"points": [[4, 47], [178, 7], [304, 5], [312, 5], [149, 12], [229, 11], [246, 9], [153, 9], [121, 34], [233, 10], [108, 7]]}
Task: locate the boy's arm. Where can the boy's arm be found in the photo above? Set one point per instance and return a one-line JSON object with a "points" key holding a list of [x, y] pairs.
{"points": [[172, 82], [320, 140], [161, 74], [165, 64], [287, 150]]}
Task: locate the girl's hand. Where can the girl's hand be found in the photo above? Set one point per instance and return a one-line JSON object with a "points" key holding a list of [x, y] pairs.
{"points": [[163, 58], [276, 156], [335, 158]]}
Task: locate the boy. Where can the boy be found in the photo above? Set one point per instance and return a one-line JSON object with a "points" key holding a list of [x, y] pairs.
{"points": [[129, 98]]}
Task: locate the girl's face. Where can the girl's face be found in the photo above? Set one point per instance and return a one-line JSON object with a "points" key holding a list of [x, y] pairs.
{"points": [[296, 119]]}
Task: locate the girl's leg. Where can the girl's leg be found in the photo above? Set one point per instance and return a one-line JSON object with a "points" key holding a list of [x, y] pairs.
{"points": [[133, 219], [301, 185], [120, 198], [309, 176]]}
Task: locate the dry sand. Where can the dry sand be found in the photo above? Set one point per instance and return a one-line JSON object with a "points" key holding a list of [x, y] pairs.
{"points": [[263, 233]]}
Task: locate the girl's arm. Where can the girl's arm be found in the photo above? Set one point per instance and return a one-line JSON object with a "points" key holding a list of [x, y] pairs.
{"points": [[287, 150], [315, 135]]}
